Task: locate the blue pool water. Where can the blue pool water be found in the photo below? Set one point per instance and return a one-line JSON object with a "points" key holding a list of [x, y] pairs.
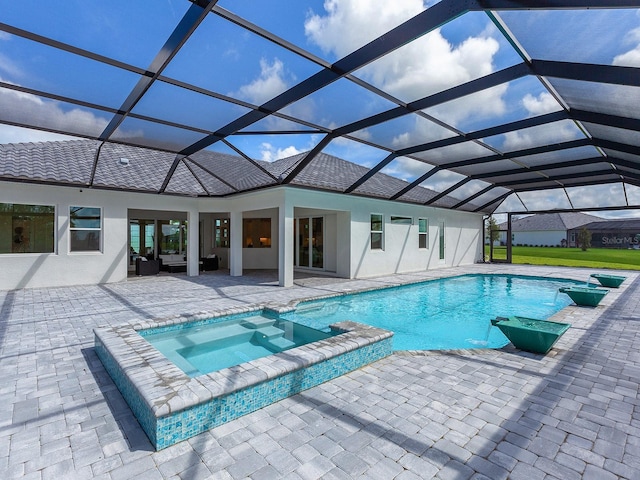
{"points": [[209, 347], [450, 313]]}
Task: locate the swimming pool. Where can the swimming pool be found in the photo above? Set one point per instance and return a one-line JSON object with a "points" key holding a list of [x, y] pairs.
{"points": [[449, 313]]}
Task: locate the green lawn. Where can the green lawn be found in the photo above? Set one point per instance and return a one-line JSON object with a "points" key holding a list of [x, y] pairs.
{"points": [[575, 257]]}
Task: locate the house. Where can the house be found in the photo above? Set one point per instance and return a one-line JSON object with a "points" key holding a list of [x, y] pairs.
{"points": [[82, 212], [548, 229], [613, 233]]}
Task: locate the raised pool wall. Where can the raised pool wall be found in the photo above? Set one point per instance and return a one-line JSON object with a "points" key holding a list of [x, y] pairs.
{"points": [[171, 407]]}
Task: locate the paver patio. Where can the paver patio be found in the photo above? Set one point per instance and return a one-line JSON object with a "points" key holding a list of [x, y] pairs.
{"points": [[480, 414]]}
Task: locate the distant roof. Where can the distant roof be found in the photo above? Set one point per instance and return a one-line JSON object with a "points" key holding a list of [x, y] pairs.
{"points": [[551, 222], [614, 225], [88, 163], [498, 105]]}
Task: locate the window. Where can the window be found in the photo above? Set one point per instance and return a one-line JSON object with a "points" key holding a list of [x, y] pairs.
{"points": [[401, 220], [423, 233], [441, 238], [26, 228], [221, 234], [85, 225], [173, 237], [256, 232], [377, 232]]}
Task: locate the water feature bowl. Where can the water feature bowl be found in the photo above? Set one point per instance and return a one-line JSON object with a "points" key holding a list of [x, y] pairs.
{"points": [[606, 280], [531, 334], [585, 296]]}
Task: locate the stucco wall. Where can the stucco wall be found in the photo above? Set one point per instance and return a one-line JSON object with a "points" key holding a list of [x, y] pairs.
{"points": [[347, 225], [401, 252], [64, 267], [463, 235]]}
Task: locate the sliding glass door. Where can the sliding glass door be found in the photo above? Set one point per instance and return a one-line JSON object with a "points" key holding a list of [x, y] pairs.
{"points": [[309, 242]]}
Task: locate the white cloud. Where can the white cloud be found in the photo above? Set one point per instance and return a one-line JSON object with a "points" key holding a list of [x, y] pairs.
{"points": [[618, 215], [428, 64], [269, 84], [425, 66], [537, 136], [406, 168], [11, 134], [545, 199], [27, 109], [351, 24], [269, 153], [10, 68], [631, 58], [594, 196], [431, 64], [543, 103], [484, 104], [628, 59], [442, 180]]}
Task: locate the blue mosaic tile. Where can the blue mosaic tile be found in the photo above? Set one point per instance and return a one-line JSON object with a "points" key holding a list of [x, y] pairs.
{"points": [[138, 406], [167, 430], [201, 418]]}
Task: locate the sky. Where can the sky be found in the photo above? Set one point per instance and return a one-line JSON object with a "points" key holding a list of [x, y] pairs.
{"points": [[224, 58]]}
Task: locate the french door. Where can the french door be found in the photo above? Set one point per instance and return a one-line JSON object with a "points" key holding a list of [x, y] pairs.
{"points": [[141, 239], [309, 242]]}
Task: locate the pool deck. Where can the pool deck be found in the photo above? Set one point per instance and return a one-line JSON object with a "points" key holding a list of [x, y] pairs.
{"points": [[477, 414]]}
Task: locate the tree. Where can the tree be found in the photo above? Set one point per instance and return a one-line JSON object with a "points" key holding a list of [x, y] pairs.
{"points": [[584, 239], [493, 233]]}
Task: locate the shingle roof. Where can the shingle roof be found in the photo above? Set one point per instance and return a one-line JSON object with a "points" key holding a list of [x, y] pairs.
{"points": [[54, 162], [205, 173], [632, 224], [551, 222]]}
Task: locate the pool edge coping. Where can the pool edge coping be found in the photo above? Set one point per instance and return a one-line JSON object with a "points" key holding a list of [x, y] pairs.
{"points": [[166, 389]]}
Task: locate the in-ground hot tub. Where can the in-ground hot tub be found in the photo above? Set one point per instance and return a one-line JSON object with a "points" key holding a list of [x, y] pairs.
{"points": [[172, 406], [198, 348]]}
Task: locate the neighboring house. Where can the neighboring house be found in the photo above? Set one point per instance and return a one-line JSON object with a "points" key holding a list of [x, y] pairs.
{"points": [[613, 233], [548, 229], [82, 212]]}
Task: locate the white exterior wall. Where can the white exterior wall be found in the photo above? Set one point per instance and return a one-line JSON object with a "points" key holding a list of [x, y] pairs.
{"points": [[551, 237], [463, 235], [463, 240], [347, 233], [62, 267], [263, 258]]}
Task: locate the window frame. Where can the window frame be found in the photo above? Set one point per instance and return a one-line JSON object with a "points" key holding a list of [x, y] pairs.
{"points": [[442, 242], [373, 232], [423, 235], [28, 216], [86, 229]]}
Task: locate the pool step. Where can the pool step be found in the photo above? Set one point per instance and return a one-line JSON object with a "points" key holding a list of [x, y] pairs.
{"points": [[273, 338], [257, 322], [271, 332], [282, 343]]}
